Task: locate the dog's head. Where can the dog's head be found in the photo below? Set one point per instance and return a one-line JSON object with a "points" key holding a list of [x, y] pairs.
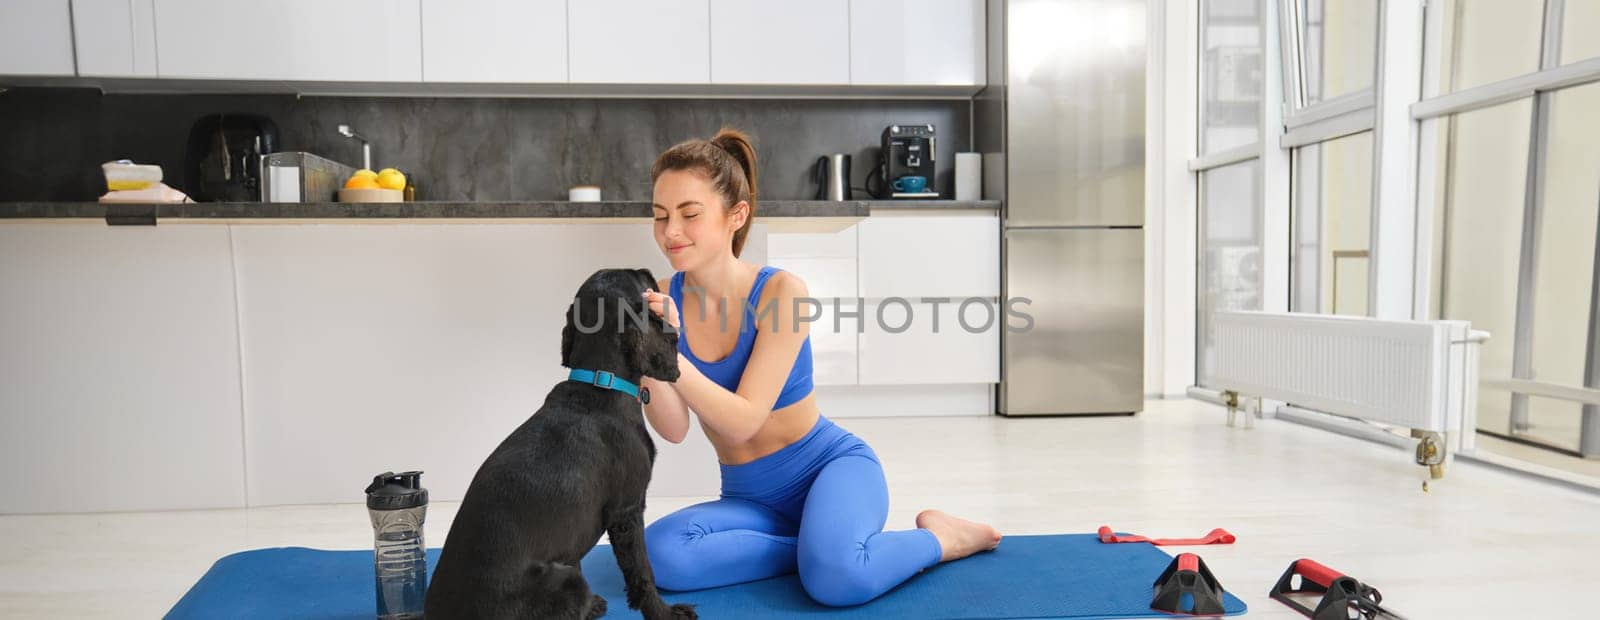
{"points": [[610, 307]]}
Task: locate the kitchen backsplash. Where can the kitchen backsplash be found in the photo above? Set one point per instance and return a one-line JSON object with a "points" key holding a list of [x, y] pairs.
{"points": [[52, 141]]}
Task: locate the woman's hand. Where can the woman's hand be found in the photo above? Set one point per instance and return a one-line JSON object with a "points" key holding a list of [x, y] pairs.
{"points": [[661, 304]]}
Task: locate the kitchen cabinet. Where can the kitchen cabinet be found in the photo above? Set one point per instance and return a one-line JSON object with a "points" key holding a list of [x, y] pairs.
{"points": [[917, 42], [639, 41], [669, 42], [115, 38], [350, 40], [494, 41], [827, 263], [780, 42], [910, 255], [840, 244], [917, 256], [36, 37], [834, 349], [905, 255], [921, 355], [832, 283], [122, 383]]}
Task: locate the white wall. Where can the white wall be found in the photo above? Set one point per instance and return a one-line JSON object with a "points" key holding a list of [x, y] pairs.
{"points": [[1170, 222]]}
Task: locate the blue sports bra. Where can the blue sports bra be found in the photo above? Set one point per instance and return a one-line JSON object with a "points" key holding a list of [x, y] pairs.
{"points": [[727, 371]]}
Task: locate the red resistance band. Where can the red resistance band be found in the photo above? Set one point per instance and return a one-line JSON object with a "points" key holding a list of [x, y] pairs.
{"points": [[1217, 536]]}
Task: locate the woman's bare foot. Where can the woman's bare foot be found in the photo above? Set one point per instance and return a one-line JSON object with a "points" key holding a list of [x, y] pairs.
{"points": [[958, 538]]}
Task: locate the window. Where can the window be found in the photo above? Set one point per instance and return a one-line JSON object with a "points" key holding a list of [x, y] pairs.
{"points": [[1338, 42], [1229, 230], [1579, 20], [1517, 213], [1229, 266], [1564, 259], [1331, 188], [1485, 170], [1230, 112], [1489, 40]]}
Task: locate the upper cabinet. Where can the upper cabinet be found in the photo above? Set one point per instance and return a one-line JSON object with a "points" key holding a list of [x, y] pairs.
{"points": [[348, 40], [503, 41], [36, 37], [888, 44], [639, 41], [115, 38], [917, 42], [780, 42]]}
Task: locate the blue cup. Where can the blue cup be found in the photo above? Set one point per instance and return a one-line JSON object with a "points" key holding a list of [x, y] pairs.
{"points": [[910, 184]]}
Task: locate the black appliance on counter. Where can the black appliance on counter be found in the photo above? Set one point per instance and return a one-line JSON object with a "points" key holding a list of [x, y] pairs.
{"points": [[906, 154], [223, 161]]}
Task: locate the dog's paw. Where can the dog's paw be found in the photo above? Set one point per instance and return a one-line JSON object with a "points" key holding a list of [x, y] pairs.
{"points": [[684, 611], [597, 607]]}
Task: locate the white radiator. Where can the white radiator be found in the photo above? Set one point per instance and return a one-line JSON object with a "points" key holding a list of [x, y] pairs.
{"points": [[1420, 375]]}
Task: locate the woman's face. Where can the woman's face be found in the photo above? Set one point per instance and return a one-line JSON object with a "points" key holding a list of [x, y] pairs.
{"points": [[691, 225]]}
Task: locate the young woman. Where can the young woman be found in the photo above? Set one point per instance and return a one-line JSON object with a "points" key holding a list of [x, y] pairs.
{"points": [[799, 493]]}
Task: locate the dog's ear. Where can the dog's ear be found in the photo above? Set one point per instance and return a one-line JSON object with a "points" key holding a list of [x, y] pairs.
{"points": [[664, 355], [651, 349], [568, 333]]}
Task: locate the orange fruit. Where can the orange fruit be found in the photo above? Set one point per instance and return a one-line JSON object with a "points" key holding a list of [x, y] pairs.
{"points": [[361, 182]]}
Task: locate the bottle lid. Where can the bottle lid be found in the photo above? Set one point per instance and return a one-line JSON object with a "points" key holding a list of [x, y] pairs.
{"points": [[392, 491]]}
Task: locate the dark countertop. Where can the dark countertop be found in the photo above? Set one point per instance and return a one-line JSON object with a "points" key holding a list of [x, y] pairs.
{"points": [[910, 205], [149, 213]]}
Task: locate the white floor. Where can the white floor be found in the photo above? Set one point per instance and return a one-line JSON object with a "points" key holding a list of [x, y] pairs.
{"points": [[1481, 544]]}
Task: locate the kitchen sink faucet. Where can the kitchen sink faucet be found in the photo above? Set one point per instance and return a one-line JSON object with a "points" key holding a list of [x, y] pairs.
{"points": [[366, 147]]}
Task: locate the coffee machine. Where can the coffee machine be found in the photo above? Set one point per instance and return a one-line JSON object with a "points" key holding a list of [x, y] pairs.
{"points": [[905, 163], [223, 161]]}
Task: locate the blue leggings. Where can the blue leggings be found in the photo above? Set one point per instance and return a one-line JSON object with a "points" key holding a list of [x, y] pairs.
{"points": [[758, 529]]}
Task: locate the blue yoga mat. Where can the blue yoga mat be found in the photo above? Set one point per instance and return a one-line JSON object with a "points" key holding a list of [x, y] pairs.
{"points": [[1057, 576]]}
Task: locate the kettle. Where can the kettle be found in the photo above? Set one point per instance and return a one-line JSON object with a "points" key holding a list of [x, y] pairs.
{"points": [[832, 175]]}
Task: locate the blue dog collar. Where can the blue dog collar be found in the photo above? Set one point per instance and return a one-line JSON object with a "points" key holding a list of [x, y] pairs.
{"points": [[605, 380]]}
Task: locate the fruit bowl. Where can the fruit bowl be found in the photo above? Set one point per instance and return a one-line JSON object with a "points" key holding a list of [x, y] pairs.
{"points": [[367, 186], [371, 195]]}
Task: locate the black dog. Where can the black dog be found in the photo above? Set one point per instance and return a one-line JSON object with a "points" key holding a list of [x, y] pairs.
{"points": [[577, 468]]}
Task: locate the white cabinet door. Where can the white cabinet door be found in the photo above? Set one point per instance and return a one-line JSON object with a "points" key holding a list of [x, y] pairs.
{"points": [[900, 346], [36, 37], [840, 244], [780, 42], [834, 335], [824, 276], [831, 283], [313, 40], [494, 41], [353, 363], [121, 367], [917, 42], [906, 255], [115, 38], [827, 264], [639, 41]]}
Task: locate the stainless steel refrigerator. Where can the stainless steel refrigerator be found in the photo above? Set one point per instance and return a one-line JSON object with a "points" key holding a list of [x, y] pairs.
{"points": [[1062, 129]]}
